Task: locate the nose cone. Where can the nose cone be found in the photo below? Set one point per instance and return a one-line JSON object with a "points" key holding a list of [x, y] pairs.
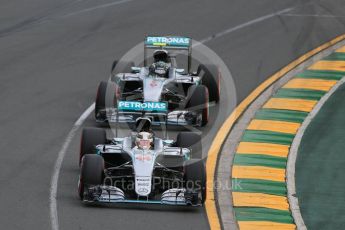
{"points": [[152, 89], [143, 163], [143, 186]]}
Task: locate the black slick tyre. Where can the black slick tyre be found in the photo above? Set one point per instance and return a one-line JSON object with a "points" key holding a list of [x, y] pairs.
{"points": [[192, 141], [195, 177], [198, 101], [92, 172], [91, 137], [105, 90], [210, 77]]}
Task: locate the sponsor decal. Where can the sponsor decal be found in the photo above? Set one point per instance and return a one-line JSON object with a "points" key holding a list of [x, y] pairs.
{"points": [[143, 157], [167, 41], [144, 182], [143, 190], [143, 185], [142, 106], [153, 84]]}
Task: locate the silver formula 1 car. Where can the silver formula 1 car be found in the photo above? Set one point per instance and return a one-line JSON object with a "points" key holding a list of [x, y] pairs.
{"points": [[159, 89], [142, 168]]}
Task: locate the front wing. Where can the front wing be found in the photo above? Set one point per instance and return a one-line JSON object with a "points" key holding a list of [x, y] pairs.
{"points": [[111, 194]]}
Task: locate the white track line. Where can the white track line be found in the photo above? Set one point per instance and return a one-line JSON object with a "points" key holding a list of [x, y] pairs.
{"points": [[57, 167], [314, 15], [249, 23], [79, 122], [95, 8]]}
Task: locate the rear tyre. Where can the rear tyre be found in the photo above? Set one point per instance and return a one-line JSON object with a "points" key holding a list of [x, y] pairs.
{"points": [[104, 89], [197, 101], [192, 141], [92, 172], [195, 177], [211, 79], [91, 137]]}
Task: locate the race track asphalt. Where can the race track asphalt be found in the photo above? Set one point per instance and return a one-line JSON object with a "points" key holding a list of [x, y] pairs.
{"points": [[54, 53]]}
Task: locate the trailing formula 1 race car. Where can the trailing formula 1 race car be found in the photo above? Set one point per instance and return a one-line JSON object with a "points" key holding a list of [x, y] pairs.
{"points": [[142, 168], [159, 88]]}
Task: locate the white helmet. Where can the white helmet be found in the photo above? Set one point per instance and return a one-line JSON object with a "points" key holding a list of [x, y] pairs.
{"points": [[144, 140]]}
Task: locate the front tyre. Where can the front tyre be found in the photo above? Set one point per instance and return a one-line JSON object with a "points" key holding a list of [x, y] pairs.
{"points": [[210, 77], [91, 137], [104, 89], [191, 141], [198, 102], [195, 178], [92, 173]]}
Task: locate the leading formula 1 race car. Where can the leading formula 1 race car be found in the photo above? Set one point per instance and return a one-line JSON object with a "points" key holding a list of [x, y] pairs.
{"points": [[160, 88], [142, 168]]}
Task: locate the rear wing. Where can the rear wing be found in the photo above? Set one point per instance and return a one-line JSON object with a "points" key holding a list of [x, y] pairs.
{"points": [[160, 107], [169, 42], [137, 109]]}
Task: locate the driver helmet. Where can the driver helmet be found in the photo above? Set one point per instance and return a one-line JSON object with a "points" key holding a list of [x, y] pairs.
{"points": [[143, 124], [160, 69], [144, 140], [161, 55]]}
